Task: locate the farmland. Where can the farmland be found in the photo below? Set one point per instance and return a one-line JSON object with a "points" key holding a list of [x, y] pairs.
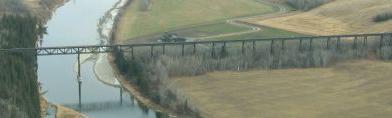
{"points": [[338, 17], [350, 89]]}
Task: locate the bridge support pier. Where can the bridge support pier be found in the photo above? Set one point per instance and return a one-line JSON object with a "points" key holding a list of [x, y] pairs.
{"points": [[79, 84], [121, 95], [338, 43]]}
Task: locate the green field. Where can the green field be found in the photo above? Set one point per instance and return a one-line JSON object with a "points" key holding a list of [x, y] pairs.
{"points": [[266, 32], [210, 30], [225, 28], [166, 15]]}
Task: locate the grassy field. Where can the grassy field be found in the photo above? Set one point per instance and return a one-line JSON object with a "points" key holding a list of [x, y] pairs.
{"points": [[164, 15], [338, 17], [358, 89], [211, 29], [222, 28], [266, 32]]}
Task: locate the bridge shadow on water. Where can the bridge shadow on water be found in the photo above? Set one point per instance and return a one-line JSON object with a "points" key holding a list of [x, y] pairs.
{"points": [[100, 106], [113, 105]]}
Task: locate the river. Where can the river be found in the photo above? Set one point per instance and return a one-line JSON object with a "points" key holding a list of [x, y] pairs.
{"points": [[77, 23]]}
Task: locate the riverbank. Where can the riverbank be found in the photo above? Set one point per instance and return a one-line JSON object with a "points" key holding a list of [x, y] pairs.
{"points": [[57, 111], [102, 68], [134, 90], [64, 112], [108, 61]]}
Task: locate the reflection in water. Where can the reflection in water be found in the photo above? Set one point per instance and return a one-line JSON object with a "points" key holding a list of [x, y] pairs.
{"points": [[76, 24]]}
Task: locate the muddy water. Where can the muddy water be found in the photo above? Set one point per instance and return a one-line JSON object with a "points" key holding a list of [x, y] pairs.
{"points": [[76, 23]]}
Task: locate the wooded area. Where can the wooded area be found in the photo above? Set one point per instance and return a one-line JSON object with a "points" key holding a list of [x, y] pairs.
{"points": [[19, 97]]}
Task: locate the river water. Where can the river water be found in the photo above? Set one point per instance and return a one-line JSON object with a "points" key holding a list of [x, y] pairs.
{"points": [[76, 23]]}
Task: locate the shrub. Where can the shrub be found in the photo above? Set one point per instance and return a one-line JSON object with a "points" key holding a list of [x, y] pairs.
{"points": [[382, 17], [306, 4]]}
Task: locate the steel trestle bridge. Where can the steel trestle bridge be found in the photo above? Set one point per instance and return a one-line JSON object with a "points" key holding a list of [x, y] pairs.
{"points": [[70, 50]]}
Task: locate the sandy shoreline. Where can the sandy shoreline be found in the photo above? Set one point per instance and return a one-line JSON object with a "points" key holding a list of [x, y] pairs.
{"points": [[102, 68], [114, 78]]}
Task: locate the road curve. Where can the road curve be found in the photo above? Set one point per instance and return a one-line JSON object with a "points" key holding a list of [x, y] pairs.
{"points": [[252, 27]]}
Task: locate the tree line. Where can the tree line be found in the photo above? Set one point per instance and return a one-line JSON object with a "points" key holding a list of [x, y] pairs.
{"points": [[19, 96]]}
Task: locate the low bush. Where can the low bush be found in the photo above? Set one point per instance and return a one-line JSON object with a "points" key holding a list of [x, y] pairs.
{"points": [[306, 4], [382, 17]]}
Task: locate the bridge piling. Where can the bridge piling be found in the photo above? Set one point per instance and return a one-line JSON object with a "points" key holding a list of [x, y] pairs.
{"points": [[132, 53], [152, 51], [243, 48], [338, 43], [79, 84], [355, 46], [194, 48], [355, 43], [365, 41], [311, 44], [121, 95], [329, 43], [254, 47], [213, 50], [300, 45], [390, 40], [272, 47], [163, 49], [183, 50], [224, 47], [381, 42]]}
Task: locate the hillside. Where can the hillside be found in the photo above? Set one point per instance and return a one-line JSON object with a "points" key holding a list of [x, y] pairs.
{"points": [[144, 17], [338, 17]]}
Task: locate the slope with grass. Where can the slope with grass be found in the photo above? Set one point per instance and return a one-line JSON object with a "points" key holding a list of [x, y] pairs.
{"points": [[163, 15], [355, 89], [337, 17]]}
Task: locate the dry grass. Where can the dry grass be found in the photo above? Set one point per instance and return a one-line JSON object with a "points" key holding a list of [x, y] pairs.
{"points": [[338, 17], [347, 90], [43, 105], [63, 112]]}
